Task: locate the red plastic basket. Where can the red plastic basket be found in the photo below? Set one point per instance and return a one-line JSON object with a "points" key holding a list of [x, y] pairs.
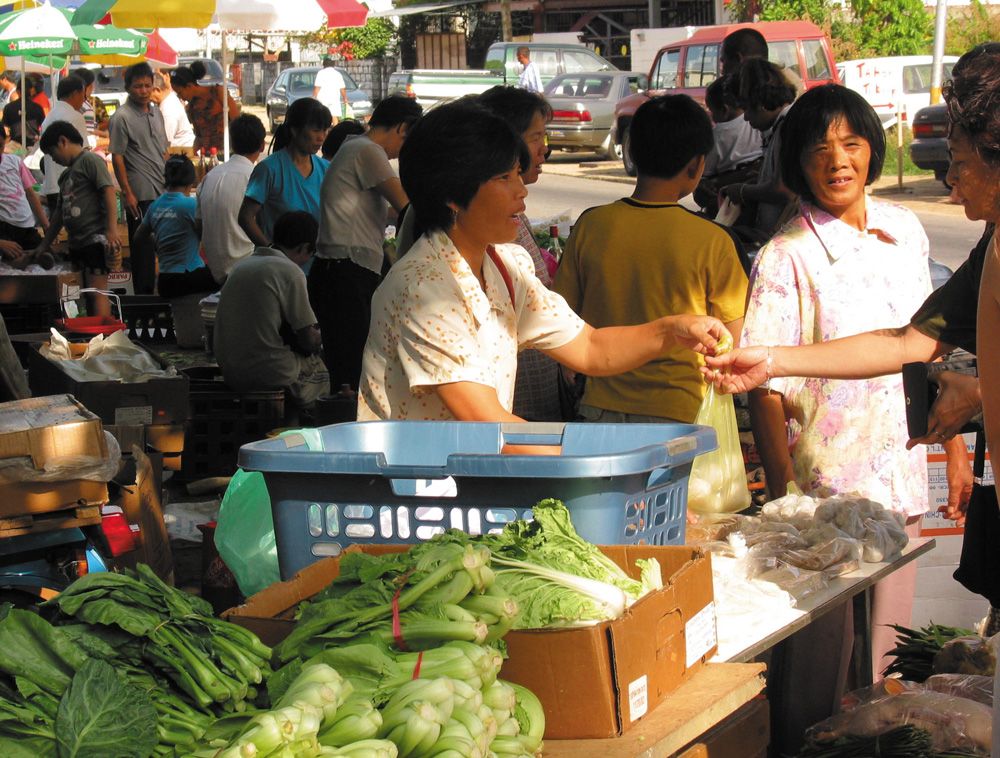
{"points": [[92, 324]]}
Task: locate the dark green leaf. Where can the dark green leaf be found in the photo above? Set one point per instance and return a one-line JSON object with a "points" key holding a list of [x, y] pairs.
{"points": [[100, 716], [27, 747], [32, 648]]}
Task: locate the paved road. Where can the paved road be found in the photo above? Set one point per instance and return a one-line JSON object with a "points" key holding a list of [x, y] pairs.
{"points": [[571, 185]]}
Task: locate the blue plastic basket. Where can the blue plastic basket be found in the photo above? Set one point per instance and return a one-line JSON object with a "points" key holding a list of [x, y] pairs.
{"points": [[384, 482]]}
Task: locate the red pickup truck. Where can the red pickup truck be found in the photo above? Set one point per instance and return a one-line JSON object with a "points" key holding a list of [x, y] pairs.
{"points": [[687, 67]]}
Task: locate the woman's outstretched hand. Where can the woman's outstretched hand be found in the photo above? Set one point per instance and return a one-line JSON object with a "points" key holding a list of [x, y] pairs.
{"points": [[703, 334], [738, 371]]}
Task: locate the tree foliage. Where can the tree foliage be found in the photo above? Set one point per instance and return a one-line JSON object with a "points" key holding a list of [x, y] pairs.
{"points": [[971, 26], [892, 27], [373, 40], [861, 29]]}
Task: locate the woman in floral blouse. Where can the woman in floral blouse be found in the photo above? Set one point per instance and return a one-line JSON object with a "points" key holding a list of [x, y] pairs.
{"points": [[847, 264], [204, 108], [451, 315]]}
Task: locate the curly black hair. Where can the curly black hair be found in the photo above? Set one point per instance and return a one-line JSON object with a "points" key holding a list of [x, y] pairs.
{"points": [[973, 99]]}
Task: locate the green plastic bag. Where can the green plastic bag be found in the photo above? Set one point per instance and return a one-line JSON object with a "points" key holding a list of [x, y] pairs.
{"points": [[244, 535], [718, 482]]}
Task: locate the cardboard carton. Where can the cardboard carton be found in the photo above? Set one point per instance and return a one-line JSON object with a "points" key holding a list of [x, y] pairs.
{"points": [[594, 681], [38, 288], [157, 401], [142, 507], [17, 498], [45, 428]]}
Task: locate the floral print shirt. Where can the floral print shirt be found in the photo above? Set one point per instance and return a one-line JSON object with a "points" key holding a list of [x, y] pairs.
{"points": [[432, 324], [820, 279]]}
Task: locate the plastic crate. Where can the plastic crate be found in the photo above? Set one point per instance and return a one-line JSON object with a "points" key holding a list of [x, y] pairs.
{"points": [[149, 319], [29, 317], [383, 482], [223, 420]]}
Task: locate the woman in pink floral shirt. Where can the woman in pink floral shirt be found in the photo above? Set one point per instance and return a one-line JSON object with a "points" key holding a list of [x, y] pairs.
{"points": [[847, 264]]}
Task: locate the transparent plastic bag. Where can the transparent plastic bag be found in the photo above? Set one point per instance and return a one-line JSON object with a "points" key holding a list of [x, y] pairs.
{"points": [[244, 535], [953, 723], [718, 482], [967, 655], [970, 686], [94, 468]]}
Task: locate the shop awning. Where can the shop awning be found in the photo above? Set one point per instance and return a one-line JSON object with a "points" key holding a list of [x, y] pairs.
{"points": [[344, 13], [410, 10]]}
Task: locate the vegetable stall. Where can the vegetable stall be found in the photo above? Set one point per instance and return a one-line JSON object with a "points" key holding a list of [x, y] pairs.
{"points": [[569, 633]]}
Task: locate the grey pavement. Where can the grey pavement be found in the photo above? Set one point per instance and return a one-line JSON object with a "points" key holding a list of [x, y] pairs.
{"points": [[919, 193]]}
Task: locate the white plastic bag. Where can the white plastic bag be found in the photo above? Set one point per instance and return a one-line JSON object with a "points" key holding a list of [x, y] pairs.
{"points": [[728, 213]]}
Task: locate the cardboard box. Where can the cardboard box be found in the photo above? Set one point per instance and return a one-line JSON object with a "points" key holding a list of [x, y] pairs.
{"points": [[18, 498], [142, 507], [594, 681], [937, 483], [44, 428], [39, 288], [157, 401], [167, 439]]}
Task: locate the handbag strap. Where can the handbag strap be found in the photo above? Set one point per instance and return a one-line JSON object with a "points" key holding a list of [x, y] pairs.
{"points": [[979, 457], [498, 262]]}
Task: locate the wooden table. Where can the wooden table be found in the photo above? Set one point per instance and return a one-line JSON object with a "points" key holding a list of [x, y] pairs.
{"points": [[707, 698]]}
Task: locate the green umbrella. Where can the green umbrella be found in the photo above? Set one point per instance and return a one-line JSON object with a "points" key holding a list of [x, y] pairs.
{"points": [[34, 32], [105, 39]]}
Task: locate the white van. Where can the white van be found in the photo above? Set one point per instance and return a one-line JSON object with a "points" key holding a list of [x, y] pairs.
{"points": [[887, 82]]}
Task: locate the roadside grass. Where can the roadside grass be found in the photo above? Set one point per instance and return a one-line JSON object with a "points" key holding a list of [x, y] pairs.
{"points": [[891, 165]]}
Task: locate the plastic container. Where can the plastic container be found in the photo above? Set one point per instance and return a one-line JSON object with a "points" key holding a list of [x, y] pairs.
{"points": [[385, 482], [91, 325]]}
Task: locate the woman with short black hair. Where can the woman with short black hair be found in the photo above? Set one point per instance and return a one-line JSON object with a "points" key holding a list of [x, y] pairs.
{"points": [[451, 315], [290, 178]]}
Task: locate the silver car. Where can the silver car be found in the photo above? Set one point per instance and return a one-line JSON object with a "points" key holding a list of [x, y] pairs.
{"points": [[583, 109]]}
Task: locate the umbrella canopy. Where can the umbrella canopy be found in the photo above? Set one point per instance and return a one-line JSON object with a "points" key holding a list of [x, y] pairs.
{"points": [[258, 15], [102, 39], [35, 32], [158, 54]]}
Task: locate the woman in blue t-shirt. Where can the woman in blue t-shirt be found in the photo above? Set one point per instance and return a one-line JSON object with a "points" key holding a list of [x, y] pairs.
{"points": [[289, 179], [170, 222]]}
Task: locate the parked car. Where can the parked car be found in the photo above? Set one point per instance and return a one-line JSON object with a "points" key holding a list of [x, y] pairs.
{"points": [[929, 148], [109, 85], [688, 66], [213, 75], [902, 81], [550, 58], [583, 109], [295, 83], [430, 86]]}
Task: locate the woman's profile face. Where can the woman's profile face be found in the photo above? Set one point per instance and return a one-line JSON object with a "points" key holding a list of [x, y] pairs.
{"points": [[534, 138], [492, 214], [975, 183], [836, 168]]}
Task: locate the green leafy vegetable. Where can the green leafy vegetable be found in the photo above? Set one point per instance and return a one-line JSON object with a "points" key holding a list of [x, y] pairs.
{"points": [[101, 716]]}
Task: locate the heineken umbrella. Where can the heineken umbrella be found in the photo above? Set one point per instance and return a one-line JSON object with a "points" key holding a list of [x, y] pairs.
{"points": [[101, 40], [158, 53], [255, 15], [34, 32]]}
